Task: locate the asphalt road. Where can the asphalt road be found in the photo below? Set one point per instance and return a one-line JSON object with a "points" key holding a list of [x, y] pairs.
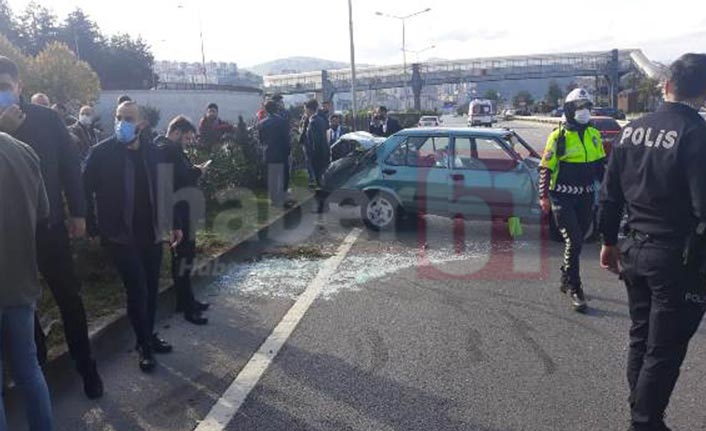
{"points": [[439, 326]]}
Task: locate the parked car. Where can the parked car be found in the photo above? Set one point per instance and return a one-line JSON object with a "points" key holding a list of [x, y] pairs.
{"points": [[508, 114], [524, 112], [558, 112], [609, 129], [430, 121], [355, 142], [424, 171], [599, 111]]}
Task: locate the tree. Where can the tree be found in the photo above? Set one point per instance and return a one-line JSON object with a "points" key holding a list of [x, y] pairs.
{"points": [[492, 95], [151, 114], [554, 94], [649, 91], [83, 37], [127, 65], [59, 74], [121, 62], [523, 99], [36, 28], [9, 50], [8, 26]]}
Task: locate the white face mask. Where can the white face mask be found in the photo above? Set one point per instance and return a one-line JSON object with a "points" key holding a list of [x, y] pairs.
{"points": [[86, 120], [583, 116]]}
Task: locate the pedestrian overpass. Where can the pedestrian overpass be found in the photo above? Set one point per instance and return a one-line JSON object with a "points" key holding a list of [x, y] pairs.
{"points": [[609, 64]]}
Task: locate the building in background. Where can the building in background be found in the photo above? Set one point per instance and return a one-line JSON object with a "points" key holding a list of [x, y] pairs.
{"points": [[217, 73]]}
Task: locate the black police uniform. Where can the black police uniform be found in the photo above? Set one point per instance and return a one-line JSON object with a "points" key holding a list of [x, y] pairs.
{"points": [[657, 173]]}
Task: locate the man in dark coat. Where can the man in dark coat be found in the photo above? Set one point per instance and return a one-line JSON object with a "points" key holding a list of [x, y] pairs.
{"points": [[43, 130], [180, 133], [274, 135], [84, 135], [318, 149], [120, 180], [383, 125]]}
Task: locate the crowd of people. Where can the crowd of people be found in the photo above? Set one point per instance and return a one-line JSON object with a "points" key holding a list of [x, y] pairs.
{"points": [[64, 183], [70, 179]]}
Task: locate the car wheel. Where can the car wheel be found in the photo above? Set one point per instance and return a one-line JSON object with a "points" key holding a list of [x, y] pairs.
{"points": [[380, 212]]}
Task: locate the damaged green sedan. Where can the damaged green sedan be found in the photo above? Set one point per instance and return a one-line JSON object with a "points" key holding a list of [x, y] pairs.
{"points": [[482, 174]]}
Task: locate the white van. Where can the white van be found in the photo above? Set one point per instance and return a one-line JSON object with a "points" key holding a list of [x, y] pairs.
{"points": [[480, 113]]}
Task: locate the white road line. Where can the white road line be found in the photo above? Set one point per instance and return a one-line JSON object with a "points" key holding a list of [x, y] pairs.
{"points": [[228, 405]]}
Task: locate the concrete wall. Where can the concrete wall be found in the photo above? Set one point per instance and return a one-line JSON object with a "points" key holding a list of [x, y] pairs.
{"points": [[191, 103]]}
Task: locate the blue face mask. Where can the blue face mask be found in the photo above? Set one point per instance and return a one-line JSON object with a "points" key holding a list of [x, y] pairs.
{"points": [[125, 131], [7, 99]]}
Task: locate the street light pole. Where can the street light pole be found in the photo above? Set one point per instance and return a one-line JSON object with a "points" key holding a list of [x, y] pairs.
{"points": [[354, 99], [404, 41], [203, 52]]}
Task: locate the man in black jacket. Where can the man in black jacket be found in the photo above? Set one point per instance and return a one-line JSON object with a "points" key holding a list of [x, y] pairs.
{"points": [[121, 180], [180, 133], [656, 175], [317, 147], [383, 125], [274, 135], [43, 130]]}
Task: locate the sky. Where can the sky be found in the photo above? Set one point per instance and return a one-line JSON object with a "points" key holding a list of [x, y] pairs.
{"points": [[250, 32]]}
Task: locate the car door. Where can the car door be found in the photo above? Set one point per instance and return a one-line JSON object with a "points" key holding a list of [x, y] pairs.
{"points": [[487, 179], [418, 171]]}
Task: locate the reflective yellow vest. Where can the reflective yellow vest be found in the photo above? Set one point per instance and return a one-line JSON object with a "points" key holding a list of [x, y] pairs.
{"points": [[574, 171]]}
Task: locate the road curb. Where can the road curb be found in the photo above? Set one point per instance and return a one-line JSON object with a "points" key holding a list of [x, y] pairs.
{"points": [[113, 325]]}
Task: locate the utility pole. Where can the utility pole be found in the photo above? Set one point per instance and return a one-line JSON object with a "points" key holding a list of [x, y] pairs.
{"points": [[354, 100]]}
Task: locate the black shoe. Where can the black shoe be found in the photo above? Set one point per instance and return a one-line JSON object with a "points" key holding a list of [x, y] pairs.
{"points": [[201, 306], [195, 317], [147, 362], [160, 346], [578, 301], [92, 382]]}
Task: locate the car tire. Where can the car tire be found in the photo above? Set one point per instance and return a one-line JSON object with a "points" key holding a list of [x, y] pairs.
{"points": [[380, 212]]}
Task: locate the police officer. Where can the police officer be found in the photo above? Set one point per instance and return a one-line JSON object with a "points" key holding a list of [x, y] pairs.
{"points": [[656, 173], [572, 163]]}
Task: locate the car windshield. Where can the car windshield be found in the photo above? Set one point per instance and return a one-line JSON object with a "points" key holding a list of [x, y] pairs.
{"points": [[519, 146]]}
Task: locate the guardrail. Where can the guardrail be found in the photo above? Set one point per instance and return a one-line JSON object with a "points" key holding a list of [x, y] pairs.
{"points": [[554, 120]]}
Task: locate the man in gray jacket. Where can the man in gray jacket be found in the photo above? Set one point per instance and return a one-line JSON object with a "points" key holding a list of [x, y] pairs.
{"points": [[25, 205]]}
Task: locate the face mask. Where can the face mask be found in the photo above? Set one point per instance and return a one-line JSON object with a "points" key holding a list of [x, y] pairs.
{"points": [[86, 120], [583, 116], [7, 99], [125, 131]]}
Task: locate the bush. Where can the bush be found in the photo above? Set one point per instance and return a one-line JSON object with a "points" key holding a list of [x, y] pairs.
{"points": [[150, 114], [237, 162]]}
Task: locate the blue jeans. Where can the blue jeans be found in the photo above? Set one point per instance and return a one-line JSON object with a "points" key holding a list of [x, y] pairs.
{"points": [[18, 324]]}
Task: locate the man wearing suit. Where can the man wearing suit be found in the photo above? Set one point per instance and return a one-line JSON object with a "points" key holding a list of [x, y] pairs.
{"points": [[181, 133], [274, 135], [336, 130], [383, 125]]}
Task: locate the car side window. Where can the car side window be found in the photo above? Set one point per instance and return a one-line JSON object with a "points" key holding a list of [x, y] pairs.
{"points": [[399, 156], [428, 151], [481, 153]]}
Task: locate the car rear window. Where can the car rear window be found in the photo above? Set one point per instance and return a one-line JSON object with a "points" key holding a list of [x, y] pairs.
{"points": [[606, 124]]}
